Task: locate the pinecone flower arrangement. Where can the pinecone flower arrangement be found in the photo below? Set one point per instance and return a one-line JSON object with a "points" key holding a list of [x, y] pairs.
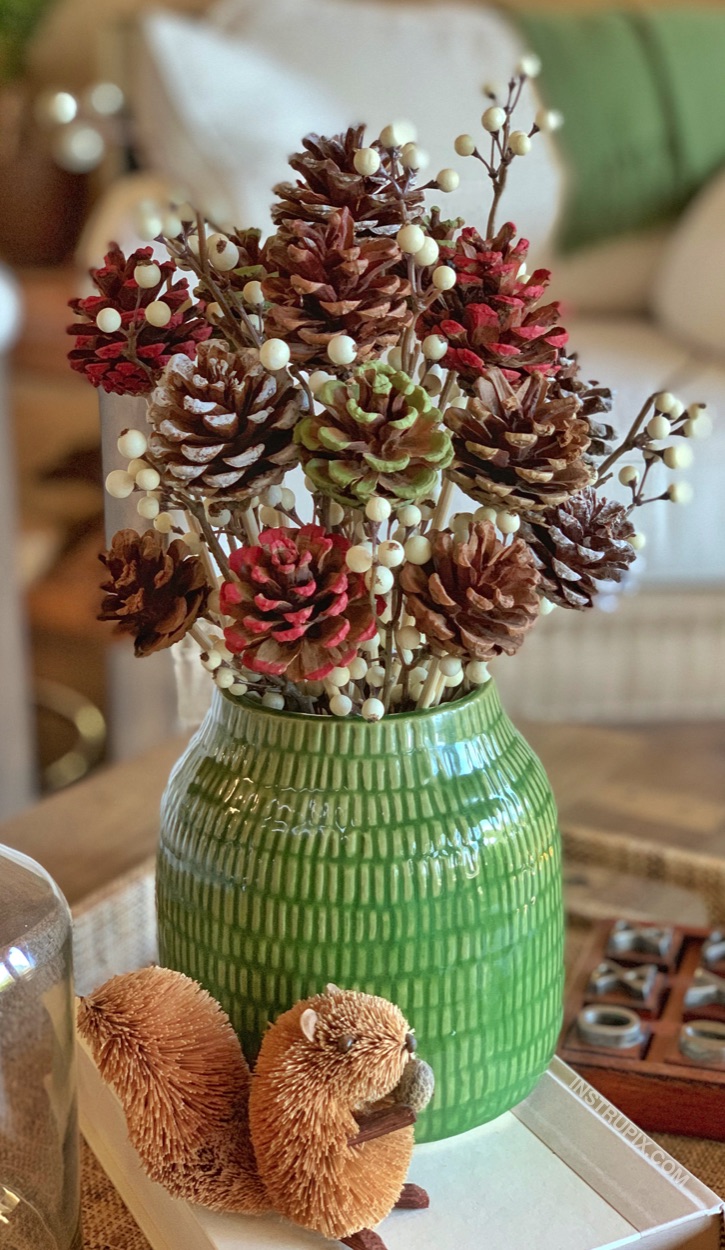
{"points": [[376, 433], [517, 446], [325, 283], [392, 357], [298, 610], [140, 317], [154, 591], [222, 426]]}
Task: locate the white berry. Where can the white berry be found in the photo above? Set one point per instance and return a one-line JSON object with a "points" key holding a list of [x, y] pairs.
{"points": [[373, 709], [238, 688], [376, 676], [338, 676], [340, 705], [680, 457], [342, 349], [193, 542], [529, 66], [380, 580], [410, 238], [108, 320], [428, 254], [358, 668], [409, 638], [223, 254], [659, 426], [366, 162], [450, 665], [274, 355], [628, 475], [148, 507], [485, 514], [444, 278], [508, 522], [519, 143], [377, 509], [546, 607], [448, 180], [638, 541], [664, 401], [147, 276], [147, 479], [252, 293], [132, 444], [418, 550], [395, 358], [318, 379], [493, 119], [359, 559], [273, 496], [465, 145], [455, 679], [680, 492], [157, 313], [549, 120], [477, 672], [413, 157], [336, 513], [213, 661], [390, 554], [397, 134], [269, 516], [434, 347], [698, 427], [273, 699], [119, 484], [409, 515]]}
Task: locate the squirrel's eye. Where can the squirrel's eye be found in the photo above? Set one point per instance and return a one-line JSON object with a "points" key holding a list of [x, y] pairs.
{"points": [[344, 1044]]}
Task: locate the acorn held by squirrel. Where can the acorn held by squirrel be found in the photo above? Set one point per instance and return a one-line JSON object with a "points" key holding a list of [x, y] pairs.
{"points": [[321, 1132]]}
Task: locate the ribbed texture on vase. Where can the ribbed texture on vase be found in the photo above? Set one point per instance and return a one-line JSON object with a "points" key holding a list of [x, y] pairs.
{"points": [[417, 858]]}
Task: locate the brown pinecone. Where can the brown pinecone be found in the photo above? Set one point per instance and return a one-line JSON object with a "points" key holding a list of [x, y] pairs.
{"points": [[376, 433], [593, 398], [298, 610], [476, 598], [223, 425], [326, 283], [492, 317], [331, 182], [152, 593], [516, 446], [578, 544]]}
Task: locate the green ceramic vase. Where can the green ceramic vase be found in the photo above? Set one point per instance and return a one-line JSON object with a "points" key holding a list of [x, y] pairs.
{"points": [[417, 858]]}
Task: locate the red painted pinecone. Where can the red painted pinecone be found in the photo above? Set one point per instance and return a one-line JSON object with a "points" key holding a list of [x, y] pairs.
{"points": [[298, 610], [223, 425], [324, 282], [492, 317], [331, 182], [155, 594], [517, 447], [582, 542], [476, 598], [115, 361]]}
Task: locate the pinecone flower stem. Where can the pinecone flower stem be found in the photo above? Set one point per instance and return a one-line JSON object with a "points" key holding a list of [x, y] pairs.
{"points": [[212, 542], [628, 443], [229, 322]]}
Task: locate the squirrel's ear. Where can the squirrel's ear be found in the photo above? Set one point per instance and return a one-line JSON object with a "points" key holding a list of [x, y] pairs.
{"points": [[308, 1023], [331, 988]]}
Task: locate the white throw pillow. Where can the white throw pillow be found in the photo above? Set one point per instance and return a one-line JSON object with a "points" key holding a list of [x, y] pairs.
{"points": [[614, 277], [219, 117], [200, 109], [689, 295]]}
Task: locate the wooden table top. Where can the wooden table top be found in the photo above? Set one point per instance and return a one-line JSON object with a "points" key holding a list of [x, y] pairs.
{"points": [[665, 782]]}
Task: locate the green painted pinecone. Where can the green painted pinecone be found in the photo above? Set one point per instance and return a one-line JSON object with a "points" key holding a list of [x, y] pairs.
{"points": [[378, 433], [517, 445]]}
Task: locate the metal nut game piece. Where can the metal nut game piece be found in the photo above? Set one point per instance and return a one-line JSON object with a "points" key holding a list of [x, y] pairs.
{"points": [[613, 1027]]}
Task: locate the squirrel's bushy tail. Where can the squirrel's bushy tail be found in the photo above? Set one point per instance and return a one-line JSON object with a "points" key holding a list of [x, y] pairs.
{"points": [[172, 1057]]}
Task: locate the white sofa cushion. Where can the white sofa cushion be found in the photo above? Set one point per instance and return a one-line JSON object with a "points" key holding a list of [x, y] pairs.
{"points": [[223, 103], [689, 295]]}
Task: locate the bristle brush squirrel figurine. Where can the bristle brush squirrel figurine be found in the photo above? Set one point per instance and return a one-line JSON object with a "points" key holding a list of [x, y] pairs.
{"points": [[321, 1132]]}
